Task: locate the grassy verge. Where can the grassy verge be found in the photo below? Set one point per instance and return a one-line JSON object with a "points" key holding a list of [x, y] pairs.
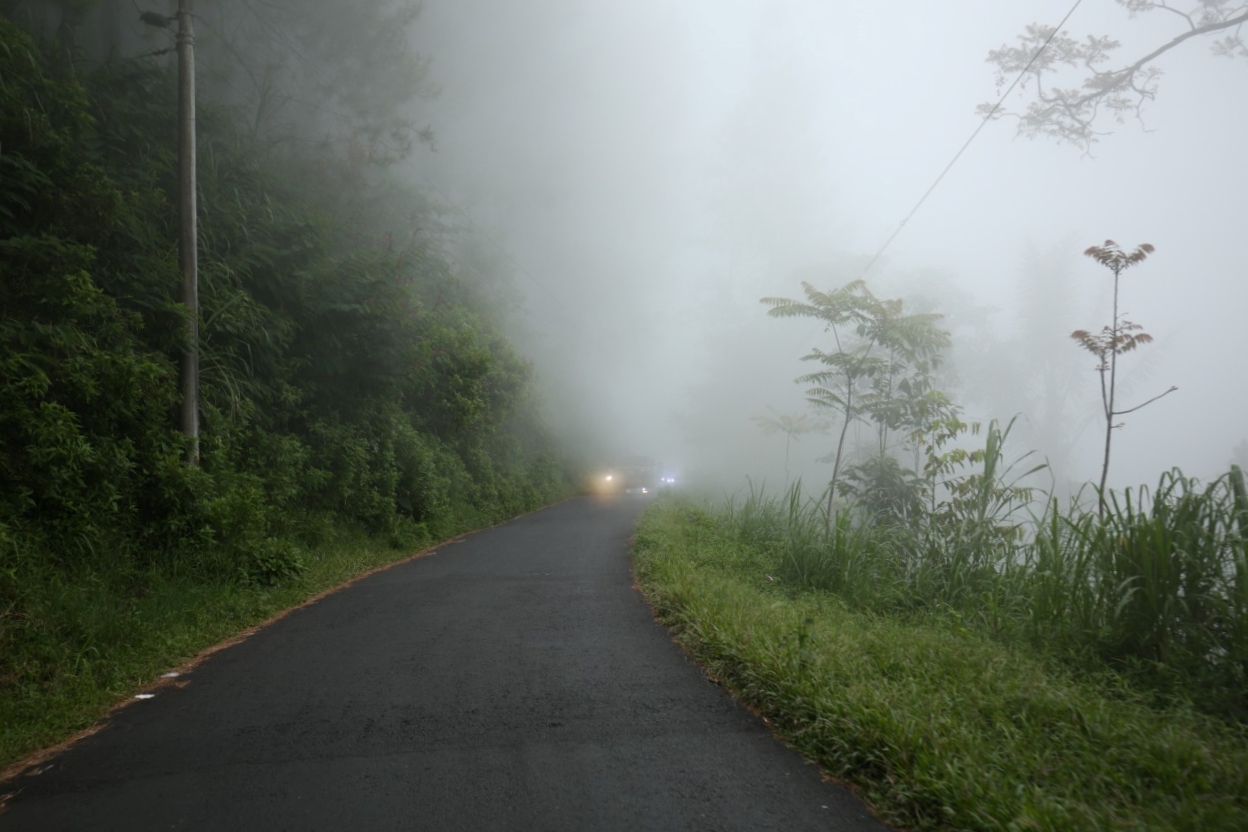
{"points": [[937, 725], [83, 644]]}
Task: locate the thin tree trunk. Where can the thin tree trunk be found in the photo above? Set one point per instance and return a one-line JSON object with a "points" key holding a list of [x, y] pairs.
{"points": [[1109, 403], [1109, 435], [788, 439], [840, 449]]}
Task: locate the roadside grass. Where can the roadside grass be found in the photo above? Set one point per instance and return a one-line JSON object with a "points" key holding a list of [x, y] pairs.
{"points": [[82, 644], [935, 722], [1154, 587]]}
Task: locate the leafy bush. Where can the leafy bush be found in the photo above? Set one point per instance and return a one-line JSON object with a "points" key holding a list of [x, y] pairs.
{"points": [[271, 562]]}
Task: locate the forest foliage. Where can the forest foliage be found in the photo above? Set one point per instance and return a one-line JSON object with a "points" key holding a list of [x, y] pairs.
{"points": [[353, 376]]}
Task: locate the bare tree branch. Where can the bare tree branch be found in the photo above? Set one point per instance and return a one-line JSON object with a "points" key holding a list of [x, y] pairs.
{"points": [[1150, 401], [1071, 114]]}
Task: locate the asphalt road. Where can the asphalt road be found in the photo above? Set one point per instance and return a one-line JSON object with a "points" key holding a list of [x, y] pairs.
{"points": [[513, 680]]}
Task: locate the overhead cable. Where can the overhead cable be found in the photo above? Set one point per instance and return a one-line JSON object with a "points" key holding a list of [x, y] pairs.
{"points": [[987, 117]]}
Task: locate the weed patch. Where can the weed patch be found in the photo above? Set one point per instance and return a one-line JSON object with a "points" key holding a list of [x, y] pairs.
{"points": [[939, 725]]}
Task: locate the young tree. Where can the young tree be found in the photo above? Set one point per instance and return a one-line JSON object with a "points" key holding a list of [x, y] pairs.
{"points": [[1027, 367], [880, 353], [1050, 383], [1071, 113], [1119, 337], [793, 425]]}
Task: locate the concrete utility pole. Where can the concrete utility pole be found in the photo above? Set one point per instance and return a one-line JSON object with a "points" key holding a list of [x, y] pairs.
{"points": [[188, 232]]}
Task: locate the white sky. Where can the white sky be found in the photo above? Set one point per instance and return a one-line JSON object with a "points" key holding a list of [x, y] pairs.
{"points": [[656, 167]]}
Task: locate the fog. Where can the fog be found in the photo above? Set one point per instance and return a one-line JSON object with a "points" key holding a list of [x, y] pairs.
{"points": [[646, 172]]}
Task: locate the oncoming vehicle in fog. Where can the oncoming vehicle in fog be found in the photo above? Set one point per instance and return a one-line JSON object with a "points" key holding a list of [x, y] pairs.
{"points": [[635, 475]]}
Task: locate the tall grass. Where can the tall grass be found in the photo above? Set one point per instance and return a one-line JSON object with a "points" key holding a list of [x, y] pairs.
{"points": [[1156, 588], [940, 727]]}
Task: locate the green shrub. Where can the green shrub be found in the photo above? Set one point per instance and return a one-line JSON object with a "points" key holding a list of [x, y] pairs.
{"points": [[271, 562]]}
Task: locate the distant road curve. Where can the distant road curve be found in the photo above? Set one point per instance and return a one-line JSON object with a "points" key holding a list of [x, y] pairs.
{"points": [[514, 680]]}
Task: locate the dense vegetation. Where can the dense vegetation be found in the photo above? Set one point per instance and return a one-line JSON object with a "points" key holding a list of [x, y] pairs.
{"points": [[893, 676], [355, 384], [1150, 584], [972, 653], [1153, 590]]}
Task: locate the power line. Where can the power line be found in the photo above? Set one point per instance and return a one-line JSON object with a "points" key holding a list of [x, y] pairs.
{"points": [[958, 155]]}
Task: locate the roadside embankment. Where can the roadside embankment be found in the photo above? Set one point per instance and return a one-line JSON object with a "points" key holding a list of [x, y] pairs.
{"points": [[938, 726]]}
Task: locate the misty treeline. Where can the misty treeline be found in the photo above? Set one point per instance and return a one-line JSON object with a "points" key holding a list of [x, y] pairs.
{"points": [[353, 372], [933, 514], [309, 77]]}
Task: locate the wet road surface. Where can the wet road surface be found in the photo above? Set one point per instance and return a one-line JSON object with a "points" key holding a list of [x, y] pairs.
{"points": [[513, 680]]}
